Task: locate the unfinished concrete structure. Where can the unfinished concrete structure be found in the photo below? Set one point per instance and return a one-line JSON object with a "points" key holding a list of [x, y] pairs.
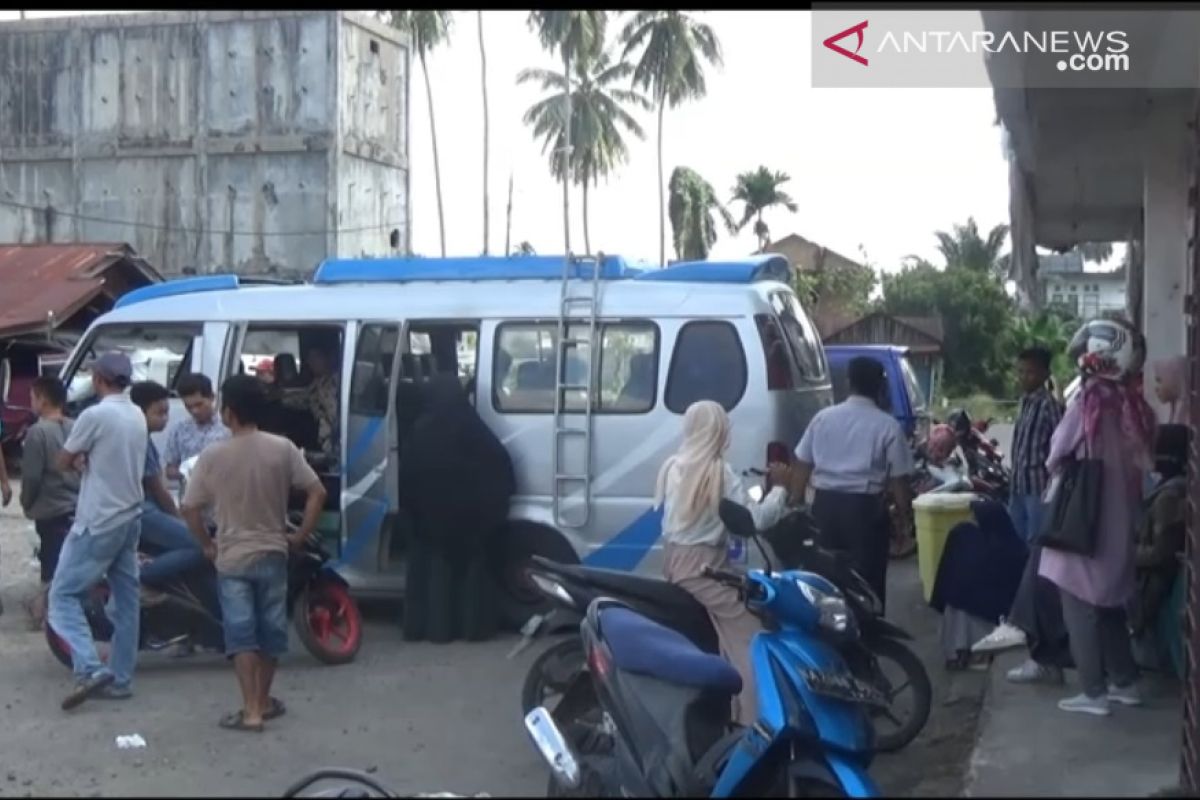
{"points": [[247, 141]]}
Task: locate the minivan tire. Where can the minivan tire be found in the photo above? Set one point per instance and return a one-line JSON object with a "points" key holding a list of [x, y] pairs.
{"points": [[517, 599]]}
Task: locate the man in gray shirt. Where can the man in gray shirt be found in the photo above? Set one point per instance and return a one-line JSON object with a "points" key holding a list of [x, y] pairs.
{"points": [[108, 446], [852, 454]]}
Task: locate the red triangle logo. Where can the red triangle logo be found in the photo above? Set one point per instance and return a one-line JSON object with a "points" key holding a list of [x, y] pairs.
{"points": [[832, 42]]}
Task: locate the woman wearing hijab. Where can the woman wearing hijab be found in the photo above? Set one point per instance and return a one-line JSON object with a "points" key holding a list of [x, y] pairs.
{"points": [[691, 485], [1111, 421], [1170, 386], [456, 480]]}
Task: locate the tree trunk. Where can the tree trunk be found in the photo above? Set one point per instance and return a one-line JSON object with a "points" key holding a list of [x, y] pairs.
{"points": [[437, 168], [587, 237], [483, 81], [662, 200], [567, 157], [508, 221], [758, 231]]}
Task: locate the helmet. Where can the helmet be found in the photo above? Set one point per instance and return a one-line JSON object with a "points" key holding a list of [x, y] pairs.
{"points": [[960, 421], [1108, 348], [941, 443]]}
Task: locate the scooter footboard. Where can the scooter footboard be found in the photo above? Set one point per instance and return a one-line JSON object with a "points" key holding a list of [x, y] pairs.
{"points": [[852, 776]]}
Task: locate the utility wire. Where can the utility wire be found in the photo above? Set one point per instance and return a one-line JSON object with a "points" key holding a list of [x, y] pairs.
{"points": [[185, 229]]}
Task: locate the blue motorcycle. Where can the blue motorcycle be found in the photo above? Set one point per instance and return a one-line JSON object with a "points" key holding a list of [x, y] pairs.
{"points": [[666, 728]]}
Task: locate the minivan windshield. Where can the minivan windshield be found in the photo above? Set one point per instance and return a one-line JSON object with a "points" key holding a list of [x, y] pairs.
{"points": [[915, 394], [841, 384], [157, 353]]}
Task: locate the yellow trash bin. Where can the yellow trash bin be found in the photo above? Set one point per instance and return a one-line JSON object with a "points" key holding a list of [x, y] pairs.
{"points": [[935, 515]]}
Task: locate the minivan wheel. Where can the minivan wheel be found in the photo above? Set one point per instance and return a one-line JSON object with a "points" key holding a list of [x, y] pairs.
{"points": [[518, 598]]}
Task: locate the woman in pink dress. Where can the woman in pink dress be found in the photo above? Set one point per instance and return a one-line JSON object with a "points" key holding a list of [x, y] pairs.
{"points": [[1109, 420]]}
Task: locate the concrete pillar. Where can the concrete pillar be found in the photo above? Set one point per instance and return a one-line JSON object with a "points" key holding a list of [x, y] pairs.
{"points": [[1165, 255]]}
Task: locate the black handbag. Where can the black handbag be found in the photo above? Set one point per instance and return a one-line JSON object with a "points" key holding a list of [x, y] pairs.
{"points": [[1072, 516]]}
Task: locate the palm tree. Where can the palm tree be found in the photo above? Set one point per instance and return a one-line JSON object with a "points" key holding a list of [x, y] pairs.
{"points": [[691, 207], [757, 191], [578, 35], [673, 46], [524, 249], [598, 116], [483, 83], [428, 30], [966, 248]]}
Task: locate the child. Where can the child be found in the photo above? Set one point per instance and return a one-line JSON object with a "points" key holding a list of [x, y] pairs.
{"points": [[47, 495]]}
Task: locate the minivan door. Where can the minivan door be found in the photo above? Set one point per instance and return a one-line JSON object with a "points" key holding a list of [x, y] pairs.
{"points": [[369, 470]]}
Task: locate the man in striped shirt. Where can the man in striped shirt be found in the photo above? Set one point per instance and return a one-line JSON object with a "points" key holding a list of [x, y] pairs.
{"points": [[1039, 416]]}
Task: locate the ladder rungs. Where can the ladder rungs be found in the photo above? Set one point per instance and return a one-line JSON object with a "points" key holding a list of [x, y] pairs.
{"points": [[579, 478], [579, 298], [573, 387], [570, 432], [574, 342]]}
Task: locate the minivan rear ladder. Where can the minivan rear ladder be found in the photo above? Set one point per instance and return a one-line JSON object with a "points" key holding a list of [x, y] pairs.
{"points": [[576, 309]]}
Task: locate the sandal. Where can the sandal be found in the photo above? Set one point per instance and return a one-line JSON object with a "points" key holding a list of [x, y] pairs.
{"points": [[275, 709], [235, 721]]}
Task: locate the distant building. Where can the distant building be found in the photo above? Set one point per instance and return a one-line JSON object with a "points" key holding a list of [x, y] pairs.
{"points": [[258, 142], [807, 256], [923, 336], [1063, 282]]}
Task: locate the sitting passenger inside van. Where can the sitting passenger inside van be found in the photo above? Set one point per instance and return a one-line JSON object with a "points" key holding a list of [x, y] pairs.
{"points": [[638, 391]]}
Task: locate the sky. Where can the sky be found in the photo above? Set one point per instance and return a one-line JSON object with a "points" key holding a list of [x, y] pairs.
{"points": [[880, 169]]}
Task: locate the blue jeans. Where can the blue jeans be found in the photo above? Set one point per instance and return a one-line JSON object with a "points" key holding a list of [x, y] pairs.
{"points": [[85, 559], [254, 607], [170, 534], [1026, 513]]}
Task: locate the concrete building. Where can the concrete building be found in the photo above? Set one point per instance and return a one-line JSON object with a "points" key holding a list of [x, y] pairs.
{"points": [[1117, 164], [249, 141], [1062, 281]]}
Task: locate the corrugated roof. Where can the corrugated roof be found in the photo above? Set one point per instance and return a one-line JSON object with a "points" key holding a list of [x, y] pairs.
{"points": [[50, 283]]}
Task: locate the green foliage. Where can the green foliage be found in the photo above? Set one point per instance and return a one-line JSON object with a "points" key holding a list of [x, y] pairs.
{"points": [[693, 208], [428, 29], [673, 47], [1050, 329], [574, 35], [758, 191], [976, 314], [966, 248], [847, 289]]}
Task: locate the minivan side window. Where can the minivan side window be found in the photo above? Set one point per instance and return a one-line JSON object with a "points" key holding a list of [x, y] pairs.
{"points": [[159, 352], [708, 364], [805, 342], [524, 368]]}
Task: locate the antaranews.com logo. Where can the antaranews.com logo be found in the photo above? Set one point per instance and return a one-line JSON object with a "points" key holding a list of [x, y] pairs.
{"points": [[1079, 50]]}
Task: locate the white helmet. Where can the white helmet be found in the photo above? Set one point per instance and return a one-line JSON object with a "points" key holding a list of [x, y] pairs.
{"points": [[1108, 348]]}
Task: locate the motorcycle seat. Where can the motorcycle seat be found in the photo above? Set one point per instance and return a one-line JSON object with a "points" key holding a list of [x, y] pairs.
{"points": [[656, 591], [643, 647]]}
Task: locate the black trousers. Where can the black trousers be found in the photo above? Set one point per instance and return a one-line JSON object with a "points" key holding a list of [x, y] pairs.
{"points": [[448, 595], [859, 525], [1037, 610]]}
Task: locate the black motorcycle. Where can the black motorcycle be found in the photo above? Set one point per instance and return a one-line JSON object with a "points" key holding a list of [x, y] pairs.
{"points": [[188, 613], [562, 668]]}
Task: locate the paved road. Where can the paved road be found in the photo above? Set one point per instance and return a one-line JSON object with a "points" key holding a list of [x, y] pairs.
{"points": [[427, 718]]}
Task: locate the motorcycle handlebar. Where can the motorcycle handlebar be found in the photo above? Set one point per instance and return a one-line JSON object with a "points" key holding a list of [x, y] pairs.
{"points": [[723, 576]]}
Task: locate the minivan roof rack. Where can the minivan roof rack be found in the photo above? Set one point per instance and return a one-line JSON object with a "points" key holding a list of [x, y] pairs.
{"points": [[513, 268]]}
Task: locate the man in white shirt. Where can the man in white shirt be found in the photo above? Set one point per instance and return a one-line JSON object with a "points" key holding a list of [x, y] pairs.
{"points": [[852, 454], [107, 445]]}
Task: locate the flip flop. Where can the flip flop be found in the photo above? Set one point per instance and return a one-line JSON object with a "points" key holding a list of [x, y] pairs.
{"points": [[235, 721], [275, 709]]}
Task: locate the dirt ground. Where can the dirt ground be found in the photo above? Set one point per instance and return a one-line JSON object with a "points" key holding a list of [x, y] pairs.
{"points": [[423, 718]]}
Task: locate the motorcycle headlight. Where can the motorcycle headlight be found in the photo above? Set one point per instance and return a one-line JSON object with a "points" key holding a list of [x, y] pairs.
{"points": [[834, 614]]}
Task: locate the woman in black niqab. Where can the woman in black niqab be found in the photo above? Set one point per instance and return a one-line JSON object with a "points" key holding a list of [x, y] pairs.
{"points": [[456, 481]]}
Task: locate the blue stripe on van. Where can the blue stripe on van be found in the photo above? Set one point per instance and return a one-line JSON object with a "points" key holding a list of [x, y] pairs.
{"points": [[363, 442], [366, 533], [627, 549]]}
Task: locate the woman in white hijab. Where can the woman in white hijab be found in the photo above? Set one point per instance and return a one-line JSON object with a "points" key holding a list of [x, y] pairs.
{"points": [[691, 485]]}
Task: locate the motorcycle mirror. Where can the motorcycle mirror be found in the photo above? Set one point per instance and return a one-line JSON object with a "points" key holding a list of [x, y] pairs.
{"points": [[737, 519]]}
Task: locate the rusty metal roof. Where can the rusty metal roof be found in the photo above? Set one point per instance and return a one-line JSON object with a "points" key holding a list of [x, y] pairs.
{"points": [[43, 285]]}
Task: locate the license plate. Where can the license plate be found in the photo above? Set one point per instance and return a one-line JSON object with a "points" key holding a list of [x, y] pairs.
{"points": [[844, 687]]}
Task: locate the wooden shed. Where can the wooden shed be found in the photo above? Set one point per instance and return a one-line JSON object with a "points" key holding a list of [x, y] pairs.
{"points": [[923, 336]]}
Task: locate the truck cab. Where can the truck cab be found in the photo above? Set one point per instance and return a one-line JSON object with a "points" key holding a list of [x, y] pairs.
{"points": [[902, 397]]}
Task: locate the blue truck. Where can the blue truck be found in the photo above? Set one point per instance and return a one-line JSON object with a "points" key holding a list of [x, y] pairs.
{"points": [[903, 397]]}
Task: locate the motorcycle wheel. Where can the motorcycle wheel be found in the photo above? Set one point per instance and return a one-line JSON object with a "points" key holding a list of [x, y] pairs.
{"points": [[811, 787], [328, 622], [916, 679], [551, 673]]}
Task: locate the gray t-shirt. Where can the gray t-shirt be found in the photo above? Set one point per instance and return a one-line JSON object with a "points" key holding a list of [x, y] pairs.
{"points": [[855, 447], [46, 491], [113, 435]]}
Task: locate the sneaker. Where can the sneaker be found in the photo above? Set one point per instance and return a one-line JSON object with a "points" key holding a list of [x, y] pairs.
{"points": [[113, 692], [87, 688], [1033, 672], [1083, 704], [1004, 637], [1127, 696]]}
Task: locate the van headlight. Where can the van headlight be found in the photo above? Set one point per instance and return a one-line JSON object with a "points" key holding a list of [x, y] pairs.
{"points": [[834, 615]]}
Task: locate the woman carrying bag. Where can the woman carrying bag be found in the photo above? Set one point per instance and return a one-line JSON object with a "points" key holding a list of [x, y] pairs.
{"points": [[1099, 455]]}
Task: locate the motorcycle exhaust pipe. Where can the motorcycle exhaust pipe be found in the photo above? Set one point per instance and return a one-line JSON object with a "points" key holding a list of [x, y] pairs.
{"points": [[554, 747]]}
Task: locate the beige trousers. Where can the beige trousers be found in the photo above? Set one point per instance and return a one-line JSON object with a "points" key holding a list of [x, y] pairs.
{"points": [[683, 564]]}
